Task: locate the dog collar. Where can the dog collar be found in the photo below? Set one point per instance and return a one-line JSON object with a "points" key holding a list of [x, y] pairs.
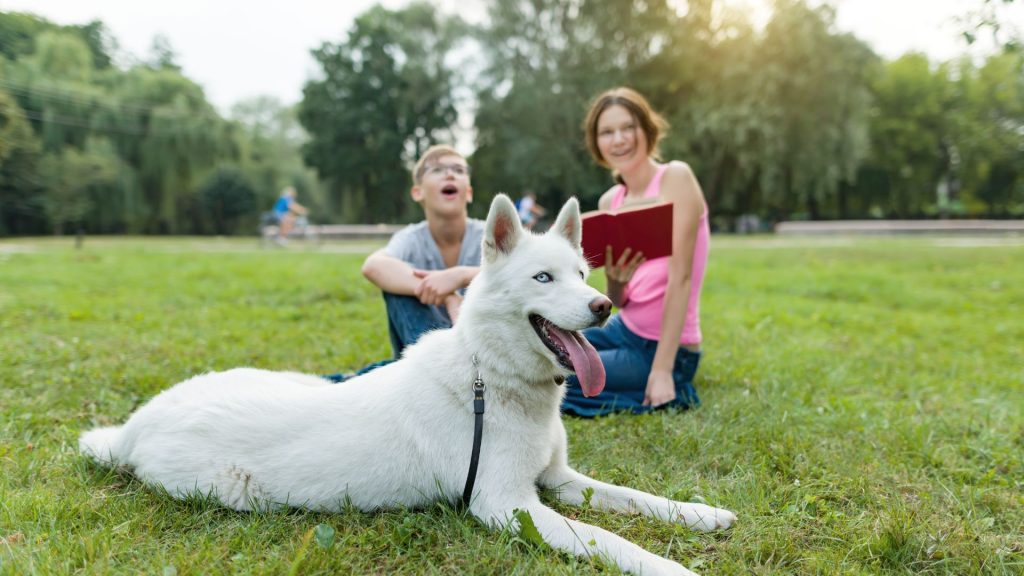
{"points": [[478, 432]]}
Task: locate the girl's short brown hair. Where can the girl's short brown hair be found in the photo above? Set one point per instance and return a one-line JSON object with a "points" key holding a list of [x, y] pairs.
{"points": [[653, 125]]}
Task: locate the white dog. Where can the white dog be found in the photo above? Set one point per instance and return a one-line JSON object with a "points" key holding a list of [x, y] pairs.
{"points": [[403, 434]]}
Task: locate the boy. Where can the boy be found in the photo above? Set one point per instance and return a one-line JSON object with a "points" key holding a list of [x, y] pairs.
{"points": [[425, 266]]}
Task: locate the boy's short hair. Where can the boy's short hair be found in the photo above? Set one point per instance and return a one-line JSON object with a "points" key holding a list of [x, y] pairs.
{"points": [[433, 153]]}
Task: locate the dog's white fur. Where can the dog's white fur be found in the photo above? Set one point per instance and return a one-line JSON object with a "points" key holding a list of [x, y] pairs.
{"points": [[402, 434]]}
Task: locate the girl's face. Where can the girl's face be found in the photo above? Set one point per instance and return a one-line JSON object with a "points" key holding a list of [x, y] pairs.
{"points": [[619, 139]]}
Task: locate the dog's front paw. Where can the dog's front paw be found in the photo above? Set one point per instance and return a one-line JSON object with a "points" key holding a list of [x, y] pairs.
{"points": [[706, 518]]}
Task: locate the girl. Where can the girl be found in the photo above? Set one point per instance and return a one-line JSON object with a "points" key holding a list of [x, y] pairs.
{"points": [[651, 348]]}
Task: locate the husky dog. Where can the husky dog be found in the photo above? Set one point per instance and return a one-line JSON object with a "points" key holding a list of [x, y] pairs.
{"points": [[402, 435]]}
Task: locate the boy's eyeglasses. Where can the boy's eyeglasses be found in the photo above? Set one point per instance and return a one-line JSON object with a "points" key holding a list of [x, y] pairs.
{"points": [[441, 169]]}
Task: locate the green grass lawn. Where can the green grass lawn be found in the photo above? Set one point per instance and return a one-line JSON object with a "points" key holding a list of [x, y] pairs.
{"points": [[862, 412]]}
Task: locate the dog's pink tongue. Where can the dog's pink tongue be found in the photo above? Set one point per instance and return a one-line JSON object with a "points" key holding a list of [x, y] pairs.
{"points": [[584, 358]]}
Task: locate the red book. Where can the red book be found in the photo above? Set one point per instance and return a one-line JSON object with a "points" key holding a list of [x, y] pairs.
{"points": [[646, 229]]}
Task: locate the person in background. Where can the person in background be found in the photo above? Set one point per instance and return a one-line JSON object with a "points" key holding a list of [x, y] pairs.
{"points": [[652, 347], [529, 210], [285, 211]]}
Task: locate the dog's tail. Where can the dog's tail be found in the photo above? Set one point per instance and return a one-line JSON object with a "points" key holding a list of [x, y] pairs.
{"points": [[101, 444]]}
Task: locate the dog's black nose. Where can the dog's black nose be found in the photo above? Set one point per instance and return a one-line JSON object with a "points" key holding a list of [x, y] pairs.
{"points": [[601, 307]]}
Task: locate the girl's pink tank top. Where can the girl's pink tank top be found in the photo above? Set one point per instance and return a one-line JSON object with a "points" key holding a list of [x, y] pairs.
{"points": [[645, 293]]}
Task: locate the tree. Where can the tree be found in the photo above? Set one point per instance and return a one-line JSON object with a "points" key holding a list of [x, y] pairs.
{"points": [[63, 55], [150, 129], [162, 55], [18, 32], [988, 17], [772, 122], [101, 43], [987, 128], [271, 153], [385, 95], [227, 195], [21, 207], [908, 127], [69, 175], [545, 60], [180, 137], [809, 117]]}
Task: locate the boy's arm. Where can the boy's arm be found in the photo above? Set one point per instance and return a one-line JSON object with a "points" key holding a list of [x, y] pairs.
{"points": [[396, 276], [436, 285], [390, 274]]}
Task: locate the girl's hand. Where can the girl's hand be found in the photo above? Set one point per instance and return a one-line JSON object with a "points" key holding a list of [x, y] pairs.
{"points": [[621, 272], [661, 388]]}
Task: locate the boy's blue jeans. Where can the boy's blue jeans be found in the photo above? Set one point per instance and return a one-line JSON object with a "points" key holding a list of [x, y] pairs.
{"points": [[408, 319], [627, 360]]}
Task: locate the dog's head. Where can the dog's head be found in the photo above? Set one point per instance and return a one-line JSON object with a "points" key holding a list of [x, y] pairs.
{"points": [[537, 294]]}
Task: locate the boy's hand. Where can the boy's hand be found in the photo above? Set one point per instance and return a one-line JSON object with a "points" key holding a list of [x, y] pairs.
{"points": [[436, 285]]}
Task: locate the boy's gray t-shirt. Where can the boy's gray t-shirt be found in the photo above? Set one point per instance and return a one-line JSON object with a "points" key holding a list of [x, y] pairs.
{"points": [[415, 245]]}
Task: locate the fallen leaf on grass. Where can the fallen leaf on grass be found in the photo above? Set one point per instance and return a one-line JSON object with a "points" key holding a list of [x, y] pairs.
{"points": [[324, 535]]}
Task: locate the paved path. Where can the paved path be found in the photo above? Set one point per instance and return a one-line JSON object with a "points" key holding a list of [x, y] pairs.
{"points": [[830, 227]]}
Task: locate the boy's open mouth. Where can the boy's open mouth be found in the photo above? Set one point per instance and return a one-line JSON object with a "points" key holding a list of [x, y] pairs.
{"points": [[450, 190]]}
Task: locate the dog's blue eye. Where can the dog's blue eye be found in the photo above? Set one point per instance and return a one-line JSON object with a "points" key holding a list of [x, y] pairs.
{"points": [[543, 278]]}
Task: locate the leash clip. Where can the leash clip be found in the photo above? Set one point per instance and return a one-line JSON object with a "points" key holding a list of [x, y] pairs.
{"points": [[478, 389]]}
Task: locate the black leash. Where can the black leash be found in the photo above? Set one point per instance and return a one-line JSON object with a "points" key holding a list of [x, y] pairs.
{"points": [[478, 432]]}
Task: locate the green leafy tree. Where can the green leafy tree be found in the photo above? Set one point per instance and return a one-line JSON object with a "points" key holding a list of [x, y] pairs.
{"points": [[989, 18], [162, 55], [986, 127], [544, 61], [773, 122], [21, 205], [63, 55], [149, 124], [815, 84], [271, 154], [68, 177], [911, 119], [945, 139], [100, 41], [18, 32], [228, 195], [174, 138], [385, 95]]}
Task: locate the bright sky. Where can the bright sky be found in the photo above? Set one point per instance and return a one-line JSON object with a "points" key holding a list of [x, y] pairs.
{"points": [[237, 49]]}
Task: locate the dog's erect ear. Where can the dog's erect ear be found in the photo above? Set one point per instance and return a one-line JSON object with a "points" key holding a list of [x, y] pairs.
{"points": [[568, 223], [503, 228]]}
